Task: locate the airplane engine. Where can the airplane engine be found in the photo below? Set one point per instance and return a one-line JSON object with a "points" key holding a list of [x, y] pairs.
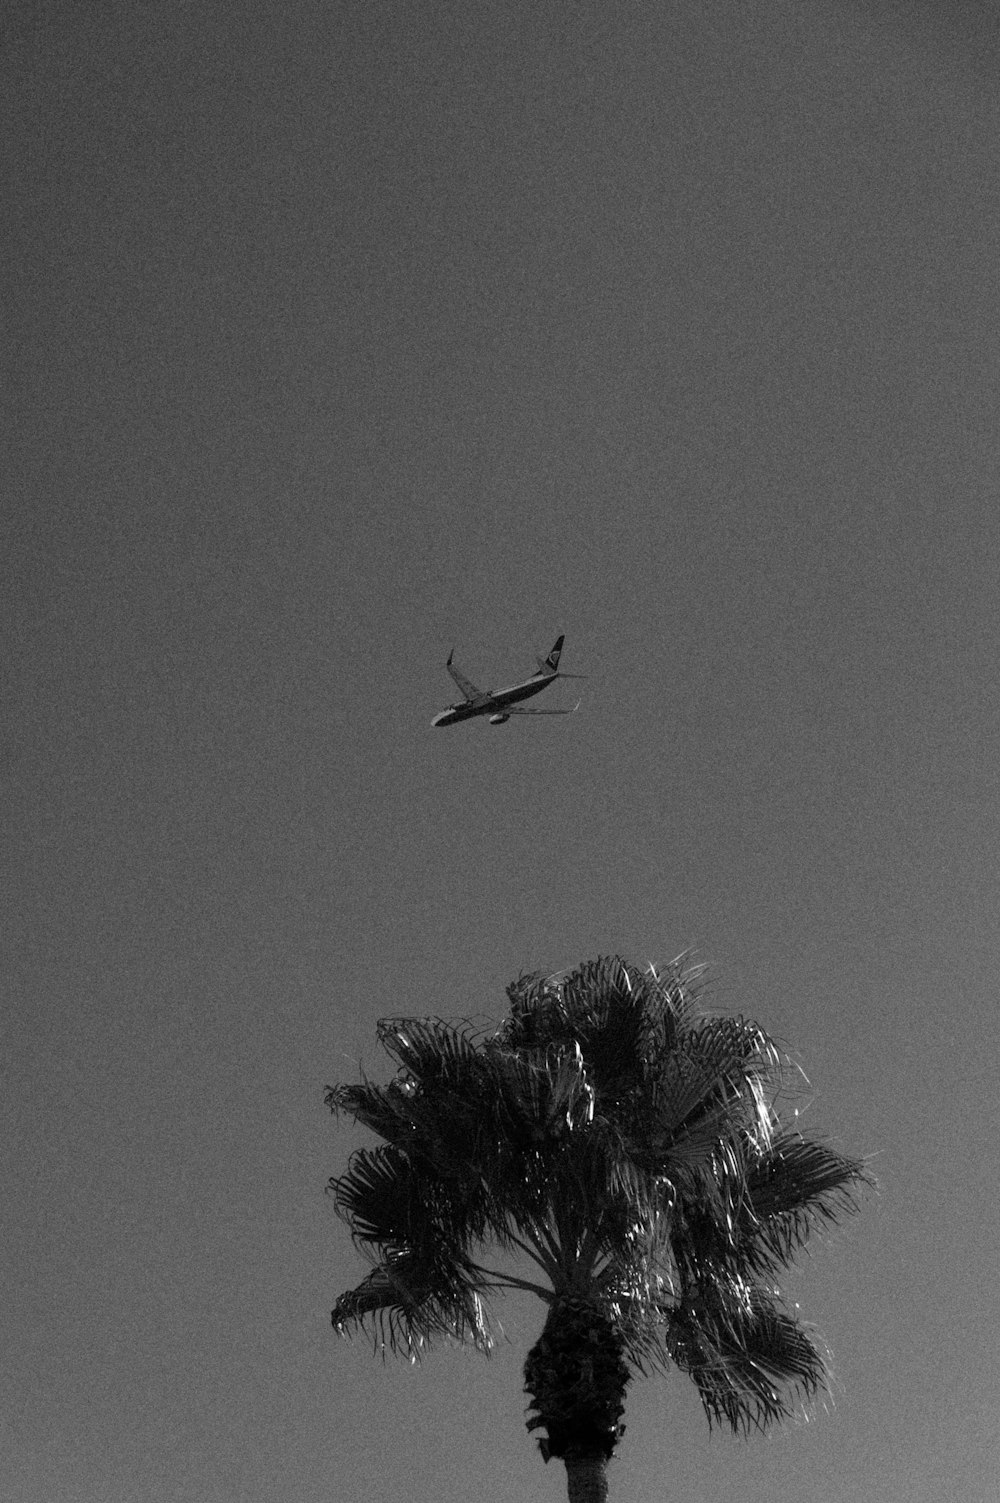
{"points": [[498, 719]]}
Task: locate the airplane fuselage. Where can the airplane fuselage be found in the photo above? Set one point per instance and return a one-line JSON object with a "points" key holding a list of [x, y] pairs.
{"points": [[493, 702]]}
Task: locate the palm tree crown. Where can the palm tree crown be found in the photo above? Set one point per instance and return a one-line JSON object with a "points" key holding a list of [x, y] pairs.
{"points": [[628, 1144]]}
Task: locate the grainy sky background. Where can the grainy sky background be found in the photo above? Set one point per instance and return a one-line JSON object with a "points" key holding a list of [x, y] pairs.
{"points": [[337, 335]]}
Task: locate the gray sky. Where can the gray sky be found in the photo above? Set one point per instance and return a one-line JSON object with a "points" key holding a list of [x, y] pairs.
{"points": [[341, 335]]}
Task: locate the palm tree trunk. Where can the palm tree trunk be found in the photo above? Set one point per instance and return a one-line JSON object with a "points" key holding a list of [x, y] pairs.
{"points": [[587, 1479]]}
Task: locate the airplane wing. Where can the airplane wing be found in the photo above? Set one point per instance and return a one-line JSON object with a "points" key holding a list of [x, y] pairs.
{"points": [[514, 710], [466, 685]]}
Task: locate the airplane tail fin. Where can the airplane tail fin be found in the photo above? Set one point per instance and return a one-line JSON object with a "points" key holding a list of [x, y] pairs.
{"points": [[551, 663]]}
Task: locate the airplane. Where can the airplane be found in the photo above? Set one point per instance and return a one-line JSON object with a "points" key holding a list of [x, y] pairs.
{"points": [[501, 704]]}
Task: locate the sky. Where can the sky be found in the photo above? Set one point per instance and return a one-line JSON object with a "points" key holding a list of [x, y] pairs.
{"points": [[338, 336]]}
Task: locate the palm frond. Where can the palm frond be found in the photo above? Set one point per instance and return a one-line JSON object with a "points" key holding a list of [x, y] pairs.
{"points": [[375, 1197], [434, 1053], [752, 1362], [426, 1282], [796, 1186], [544, 1093], [382, 1109], [623, 1019], [389, 1199], [673, 1000], [440, 1115], [718, 1082], [398, 1303], [548, 1009], [803, 1173]]}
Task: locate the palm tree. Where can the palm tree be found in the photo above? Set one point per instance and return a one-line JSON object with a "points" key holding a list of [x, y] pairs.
{"points": [[627, 1144]]}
